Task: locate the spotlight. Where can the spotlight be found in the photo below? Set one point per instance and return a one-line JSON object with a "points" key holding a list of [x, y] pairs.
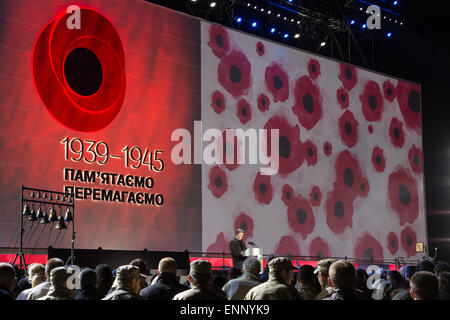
{"points": [[352, 22], [255, 7], [286, 36], [389, 34], [297, 36], [292, 20], [248, 4], [364, 26], [269, 12], [262, 9], [238, 19], [284, 18], [323, 44], [212, 4], [290, 0], [272, 30], [395, 3], [254, 24], [298, 22], [278, 15]]}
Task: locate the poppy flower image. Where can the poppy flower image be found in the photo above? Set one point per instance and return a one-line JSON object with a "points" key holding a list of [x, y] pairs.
{"points": [[244, 222], [263, 189], [364, 187], [342, 98], [289, 144], [319, 248], [314, 69], [218, 182], [218, 102], [348, 173], [260, 48], [229, 149], [408, 239], [415, 159], [287, 246], [80, 74], [301, 216], [277, 82], [403, 195], [408, 97], [308, 102], [339, 210], [378, 160], [348, 76], [372, 101], [234, 72], [263, 102], [392, 243], [219, 41], [287, 194], [315, 196], [367, 247], [348, 129], [244, 112], [220, 245], [389, 91], [396, 133], [310, 152], [327, 148], [370, 129]]}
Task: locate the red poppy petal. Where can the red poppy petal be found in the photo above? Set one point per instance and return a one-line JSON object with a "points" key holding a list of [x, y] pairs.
{"points": [[348, 173], [403, 195], [308, 102], [389, 90], [287, 246], [327, 148], [218, 182], [415, 159], [372, 101], [392, 243], [219, 41], [314, 69], [301, 216], [319, 248], [287, 194], [245, 222], [244, 112], [367, 247], [263, 189], [260, 48], [310, 152], [409, 100], [315, 196], [348, 129], [364, 187], [339, 208], [277, 82], [378, 160], [263, 102], [408, 240], [348, 76], [342, 98], [234, 73], [218, 102], [220, 245], [396, 133]]}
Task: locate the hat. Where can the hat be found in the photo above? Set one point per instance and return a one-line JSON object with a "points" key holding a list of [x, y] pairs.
{"points": [[324, 265], [60, 274], [200, 266], [281, 263], [128, 272]]}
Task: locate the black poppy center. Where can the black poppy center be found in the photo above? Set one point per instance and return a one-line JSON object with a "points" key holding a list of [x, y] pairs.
{"points": [[235, 74], [389, 91], [301, 216], [277, 82], [310, 152], [396, 133], [288, 195], [263, 102], [339, 209], [262, 188], [414, 101], [403, 195], [218, 182], [363, 187], [219, 40], [368, 254], [416, 160], [314, 68], [378, 160], [260, 49], [218, 102], [343, 97], [348, 177], [327, 148], [243, 225], [284, 147], [244, 112], [348, 128], [308, 103], [316, 197], [83, 71], [348, 74], [373, 103], [393, 244], [320, 254], [409, 241]]}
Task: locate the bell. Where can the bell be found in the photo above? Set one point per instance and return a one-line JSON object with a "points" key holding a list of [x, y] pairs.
{"points": [[38, 194], [32, 216], [57, 197], [32, 194], [53, 216], [26, 210], [44, 219], [68, 216], [50, 198], [44, 195], [39, 214], [61, 224]]}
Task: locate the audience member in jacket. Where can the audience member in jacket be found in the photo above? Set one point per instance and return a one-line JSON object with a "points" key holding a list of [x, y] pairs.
{"points": [[236, 289]]}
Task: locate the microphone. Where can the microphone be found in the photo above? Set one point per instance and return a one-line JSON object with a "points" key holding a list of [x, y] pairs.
{"points": [[252, 243]]}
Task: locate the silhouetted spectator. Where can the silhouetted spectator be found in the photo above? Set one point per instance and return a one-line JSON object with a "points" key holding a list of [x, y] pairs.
{"points": [[36, 276], [426, 265], [342, 276], [307, 283], [236, 289], [441, 267], [143, 269], [127, 284], [8, 280], [424, 286], [361, 284], [59, 289], [41, 290], [104, 279], [88, 281], [322, 269], [265, 274], [444, 286]]}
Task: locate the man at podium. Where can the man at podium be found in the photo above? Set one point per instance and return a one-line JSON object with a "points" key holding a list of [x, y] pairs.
{"points": [[237, 248]]}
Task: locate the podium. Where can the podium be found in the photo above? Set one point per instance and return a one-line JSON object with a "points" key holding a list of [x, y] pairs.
{"points": [[256, 253]]}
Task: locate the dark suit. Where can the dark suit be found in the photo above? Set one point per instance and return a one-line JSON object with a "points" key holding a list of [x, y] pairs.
{"points": [[236, 246], [165, 288]]}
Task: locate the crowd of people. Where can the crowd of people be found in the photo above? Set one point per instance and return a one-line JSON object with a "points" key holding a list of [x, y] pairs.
{"points": [[280, 280]]}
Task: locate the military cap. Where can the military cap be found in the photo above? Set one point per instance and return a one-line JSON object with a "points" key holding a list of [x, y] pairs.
{"points": [[60, 274], [200, 266], [324, 265], [129, 272], [281, 263]]}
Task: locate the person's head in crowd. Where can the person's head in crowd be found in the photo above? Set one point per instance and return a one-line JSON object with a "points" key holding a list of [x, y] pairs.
{"points": [[36, 274], [409, 272], [306, 276], [167, 265], [239, 234], [424, 286], [342, 275], [251, 266], [442, 266], [361, 278], [128, 278], [200, 274], [104, 279], [395, 278], [88, 279], [141, 265], [59, 277], [52, 264], [322, 271], [20, 273], [281, 269], [235, 273], [444, 283], [426, 265], [8, 278]]}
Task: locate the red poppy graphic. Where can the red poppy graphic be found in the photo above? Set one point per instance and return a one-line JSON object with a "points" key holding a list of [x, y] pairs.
{"points": [[389, 90], [218, 102], [314, 69], [342, 98], [348, 76], [221, 245], [308, 102], [378, 161], [364, 187], [289, 144], [403, 195], [301, 217], [287, 246], [80, 100], [370, 129], [408, 239], [319, 248], [392, 243], [367, 247], [244, 222], [348, 174], [396, 133], [277, 82], [263, 189], [287, 194], [339, 208], [219, 41], [260, 48], [263, 102], [327, 148], [218, 182], [315, 196], [229, 149], [408, 97], [235, 73], [415, 159], [244, 112], [348, 129], [310, 152], [372, 101]]}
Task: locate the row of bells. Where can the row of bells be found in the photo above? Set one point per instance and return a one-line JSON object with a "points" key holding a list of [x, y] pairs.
{"points": [[47, 218], [44, 196]]}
